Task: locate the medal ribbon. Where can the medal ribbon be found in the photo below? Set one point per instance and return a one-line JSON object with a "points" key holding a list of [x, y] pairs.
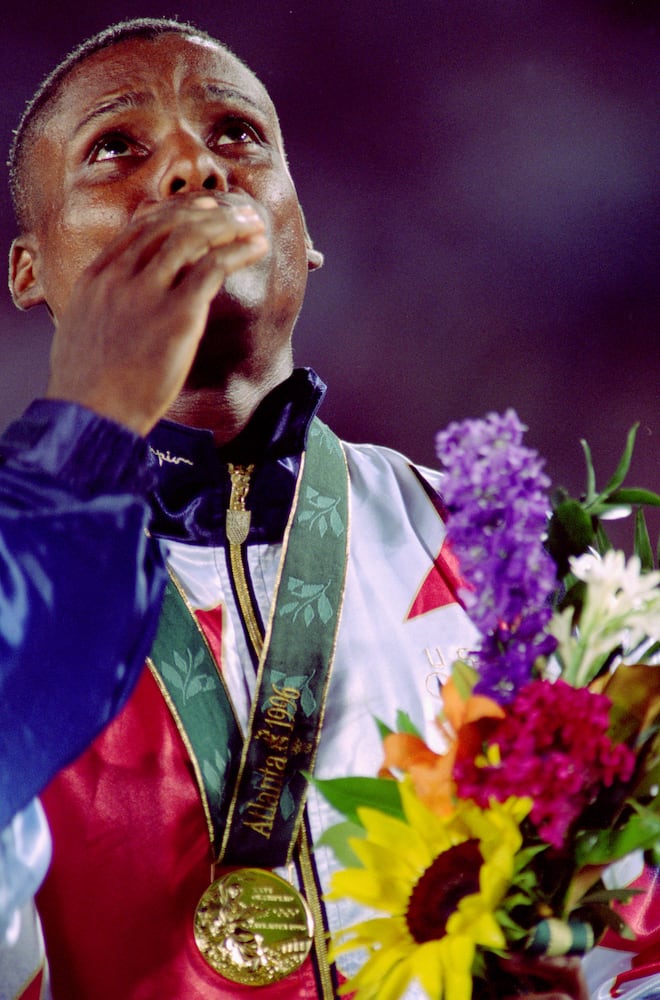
{"points": [[254, 799]]}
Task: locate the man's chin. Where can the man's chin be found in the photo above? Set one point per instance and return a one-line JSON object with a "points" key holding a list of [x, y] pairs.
{"points": [[242, 291]]}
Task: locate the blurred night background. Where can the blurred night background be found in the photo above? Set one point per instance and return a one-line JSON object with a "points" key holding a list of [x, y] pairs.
{"points": [[482, 176]]}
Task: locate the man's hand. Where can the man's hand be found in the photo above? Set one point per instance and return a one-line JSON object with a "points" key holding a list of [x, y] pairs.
{"points": [[129, 334]]}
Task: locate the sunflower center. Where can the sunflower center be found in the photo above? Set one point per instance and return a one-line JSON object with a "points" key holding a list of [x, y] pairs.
{"points": [[453, 875]]}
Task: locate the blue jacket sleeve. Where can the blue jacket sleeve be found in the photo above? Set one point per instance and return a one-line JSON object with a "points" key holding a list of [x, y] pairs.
{"points": [[80, 588]]}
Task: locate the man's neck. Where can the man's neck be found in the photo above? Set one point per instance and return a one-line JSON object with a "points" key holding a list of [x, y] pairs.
{"points": [[226, 409]]}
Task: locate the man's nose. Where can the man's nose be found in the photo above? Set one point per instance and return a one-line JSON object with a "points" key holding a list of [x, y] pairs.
{"points": [[190, 166]]}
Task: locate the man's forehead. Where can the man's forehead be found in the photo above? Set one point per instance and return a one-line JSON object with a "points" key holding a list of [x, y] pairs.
{"points": [[136, 63]]}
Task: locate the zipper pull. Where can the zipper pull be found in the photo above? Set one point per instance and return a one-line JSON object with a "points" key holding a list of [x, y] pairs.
{"points": [[238, 518]]}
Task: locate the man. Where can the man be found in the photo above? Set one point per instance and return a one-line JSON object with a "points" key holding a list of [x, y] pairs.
{"points": [[161, 228]]}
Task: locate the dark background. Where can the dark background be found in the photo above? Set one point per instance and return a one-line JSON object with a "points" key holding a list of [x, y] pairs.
{"points": [[482, 176]]}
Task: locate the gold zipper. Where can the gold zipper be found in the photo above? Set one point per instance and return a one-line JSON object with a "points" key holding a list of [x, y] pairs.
{"points": [[311, 894], [237, 529]]}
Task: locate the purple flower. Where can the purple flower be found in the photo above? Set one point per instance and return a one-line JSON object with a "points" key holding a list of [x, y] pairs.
{"points": [[496, 494]]}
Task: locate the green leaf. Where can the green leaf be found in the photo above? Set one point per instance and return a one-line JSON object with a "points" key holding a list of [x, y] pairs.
{"points": [[602, 846], [404, 724], [647, 783], [179, 661], [324, 609], [297, 681], [608, 896], [570, 533], [336, 838], [307, 702], [603, 544], [573, 597], [516, 899], [512, 929], [464, 677], [591, 475], [324, 503], [383, 729], [210, 773], [621, 470], [347, 794], [172, 677], [287, 803], [634, 495], [527, 854], [642, 545], [194, 687], [601, 915], [336, 524]]}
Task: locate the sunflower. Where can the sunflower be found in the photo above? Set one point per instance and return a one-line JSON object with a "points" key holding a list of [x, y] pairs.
{"points": [[440, 880]]}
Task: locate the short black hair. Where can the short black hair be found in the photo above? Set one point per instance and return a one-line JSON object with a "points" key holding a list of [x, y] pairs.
{"points": [[148, 28]]}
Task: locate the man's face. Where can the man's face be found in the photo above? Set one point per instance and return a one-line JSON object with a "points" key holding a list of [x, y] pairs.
{"points": [[145, 121]]}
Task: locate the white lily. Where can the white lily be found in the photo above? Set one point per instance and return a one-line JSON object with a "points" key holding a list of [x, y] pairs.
{"points": [[621, 609]]}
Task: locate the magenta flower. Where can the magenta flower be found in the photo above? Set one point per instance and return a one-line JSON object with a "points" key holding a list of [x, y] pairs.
{"points": [[554, 746], [496, 495]]}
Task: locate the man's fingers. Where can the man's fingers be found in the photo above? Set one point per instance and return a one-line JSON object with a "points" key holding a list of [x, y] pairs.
{"points": [[189, 242], [207, 276], [177, 235]]}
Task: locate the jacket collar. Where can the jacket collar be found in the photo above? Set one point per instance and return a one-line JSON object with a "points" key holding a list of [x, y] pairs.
{"points": [[193, 489]]}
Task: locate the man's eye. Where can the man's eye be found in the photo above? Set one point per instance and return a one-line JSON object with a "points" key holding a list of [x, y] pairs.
{"points": [[111, 147], [235, 131]]}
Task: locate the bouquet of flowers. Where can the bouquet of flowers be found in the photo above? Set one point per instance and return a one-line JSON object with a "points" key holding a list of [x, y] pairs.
{"points": [[551, 762]]}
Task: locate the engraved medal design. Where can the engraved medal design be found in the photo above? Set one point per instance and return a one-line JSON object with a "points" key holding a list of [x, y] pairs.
{"points": [[253, 927]]}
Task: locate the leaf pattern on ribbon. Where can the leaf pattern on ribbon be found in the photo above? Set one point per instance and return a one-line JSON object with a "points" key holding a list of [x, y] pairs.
{"points": [[287, 803], [212, 772], [301, 683], [312, 600], [182, 675], [321, 513]]}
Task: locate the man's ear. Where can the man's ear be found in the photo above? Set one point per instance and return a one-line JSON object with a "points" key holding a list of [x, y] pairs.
{"points": [[24, 283], [314, 257]]}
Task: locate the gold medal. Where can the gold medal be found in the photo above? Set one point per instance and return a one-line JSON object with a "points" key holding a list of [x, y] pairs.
{"points": [[253, 927]]}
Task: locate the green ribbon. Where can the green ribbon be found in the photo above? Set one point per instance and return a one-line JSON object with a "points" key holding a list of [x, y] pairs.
{"points": [[253, 791]]}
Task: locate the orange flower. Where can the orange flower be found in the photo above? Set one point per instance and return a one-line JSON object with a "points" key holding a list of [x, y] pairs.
{"points": [[470, 722]]}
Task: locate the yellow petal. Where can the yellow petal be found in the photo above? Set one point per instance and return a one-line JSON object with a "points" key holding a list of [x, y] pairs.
{"points": [[398, 836], [458, 955], [378, 967], [428, 969], [378, 931], [487, 932], [395, 983], [378, 858], [370, 889], [428, 826]]}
